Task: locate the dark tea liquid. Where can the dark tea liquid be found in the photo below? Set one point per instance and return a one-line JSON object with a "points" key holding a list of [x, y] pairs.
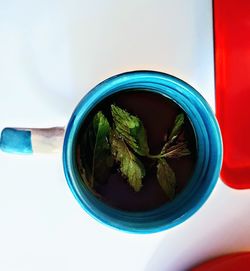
{"points": [[158, 115]]}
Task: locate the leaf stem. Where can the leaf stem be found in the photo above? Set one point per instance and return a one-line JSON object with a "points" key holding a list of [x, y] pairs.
{"points": [[157, 156], [176, 151]]}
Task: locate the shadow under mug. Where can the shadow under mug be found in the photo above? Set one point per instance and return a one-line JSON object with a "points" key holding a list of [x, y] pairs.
{"points": [[186, 203]]}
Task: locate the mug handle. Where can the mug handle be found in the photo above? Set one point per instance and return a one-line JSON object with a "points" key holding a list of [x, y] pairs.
{"points": [[32, 140]]}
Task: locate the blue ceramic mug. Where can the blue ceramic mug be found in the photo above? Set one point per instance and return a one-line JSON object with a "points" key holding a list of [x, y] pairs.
{"points": [[186, 203]]}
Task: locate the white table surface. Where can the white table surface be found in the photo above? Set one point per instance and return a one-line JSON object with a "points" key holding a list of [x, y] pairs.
{"points": [[51, 54]]}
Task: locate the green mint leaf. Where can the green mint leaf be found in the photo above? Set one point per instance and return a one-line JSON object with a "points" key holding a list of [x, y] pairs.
{"points": [[131, 167], [131, 129], [166, 178], [178, 150], [98, 159], [178, 123], [83, 172]]}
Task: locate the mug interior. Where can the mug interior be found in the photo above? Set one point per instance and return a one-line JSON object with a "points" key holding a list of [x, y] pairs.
{"points": [[208, 144]]}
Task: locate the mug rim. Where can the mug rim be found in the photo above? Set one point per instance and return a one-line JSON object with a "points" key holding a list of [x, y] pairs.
{"points": [[99, 93]]}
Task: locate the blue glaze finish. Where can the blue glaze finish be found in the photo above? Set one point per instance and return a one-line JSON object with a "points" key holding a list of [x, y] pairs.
{"points": [[16, 141], [209, 154]]}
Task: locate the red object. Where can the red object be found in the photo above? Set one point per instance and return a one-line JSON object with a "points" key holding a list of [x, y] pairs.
{"points": [[231, 262], [232, 76]]}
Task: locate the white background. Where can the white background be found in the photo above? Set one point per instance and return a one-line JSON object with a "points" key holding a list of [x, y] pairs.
{"points": [[51, 54]]}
